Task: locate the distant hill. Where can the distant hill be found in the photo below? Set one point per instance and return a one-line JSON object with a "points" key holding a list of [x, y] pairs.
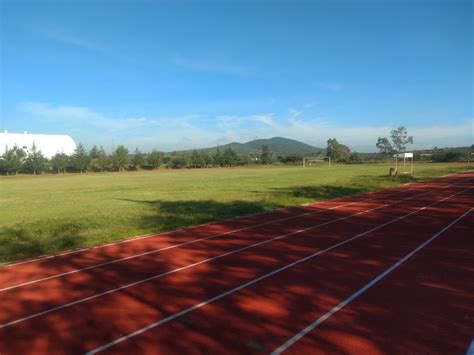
{"points": [[278, 145]]}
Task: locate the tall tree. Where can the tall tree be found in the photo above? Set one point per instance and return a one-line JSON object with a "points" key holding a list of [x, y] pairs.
{"points": [[177, 161], [400, 139], [356, 158], [138, 160], [206, 158], [218, 158], [120, 158], [384, 146], [60, 162], [13, 160], [266, 155], [35, 162], [94, 152], [101, 161], [80, 159], [337, 151], [230, 157], [196, 159], [155, 158]]}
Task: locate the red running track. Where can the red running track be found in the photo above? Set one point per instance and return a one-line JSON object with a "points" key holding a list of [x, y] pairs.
{"points": [[386, 272]]}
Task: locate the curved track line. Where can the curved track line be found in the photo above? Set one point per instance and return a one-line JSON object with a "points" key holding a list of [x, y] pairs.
{"points": [[265, 276], [193, 241], [356, 294], [149, 235], [54, 309]]}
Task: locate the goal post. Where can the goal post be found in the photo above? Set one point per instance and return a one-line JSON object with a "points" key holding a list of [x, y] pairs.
{"points": [[404, 156], [308, 161]]}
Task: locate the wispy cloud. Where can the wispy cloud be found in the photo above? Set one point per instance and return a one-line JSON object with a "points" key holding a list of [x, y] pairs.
{"points": [[92, 127], [196, 131]]}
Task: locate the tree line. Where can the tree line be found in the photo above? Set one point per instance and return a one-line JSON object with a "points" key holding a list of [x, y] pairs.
{"points": [[16, 160]]}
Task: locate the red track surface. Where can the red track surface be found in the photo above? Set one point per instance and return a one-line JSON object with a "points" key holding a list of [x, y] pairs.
{"points": [[263, 283]]}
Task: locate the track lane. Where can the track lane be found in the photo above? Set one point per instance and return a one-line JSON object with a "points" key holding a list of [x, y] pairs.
{"points": [[438, 318], [48, 266], [70, 261], [263, 316], [80, 287], [109, 311], [29, 274]]}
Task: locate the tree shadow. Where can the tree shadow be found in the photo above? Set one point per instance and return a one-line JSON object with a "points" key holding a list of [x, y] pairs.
{"points": [[17, 243], [169, 215], [258, 317], [322, 192]]}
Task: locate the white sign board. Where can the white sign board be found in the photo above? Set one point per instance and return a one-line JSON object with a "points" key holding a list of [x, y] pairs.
{"points": [[403, 155]]}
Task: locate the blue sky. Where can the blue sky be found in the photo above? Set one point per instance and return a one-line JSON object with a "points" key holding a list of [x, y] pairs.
{"points": [[183, 74]]}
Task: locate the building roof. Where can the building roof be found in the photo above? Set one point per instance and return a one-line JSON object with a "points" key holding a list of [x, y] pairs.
{"points": [[48, 144]]}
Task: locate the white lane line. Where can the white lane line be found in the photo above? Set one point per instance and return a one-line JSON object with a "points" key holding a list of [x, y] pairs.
{"points": [[154, 277], [189, 242], [356, 294], [73, 251], [470, 351], [222, 295]]}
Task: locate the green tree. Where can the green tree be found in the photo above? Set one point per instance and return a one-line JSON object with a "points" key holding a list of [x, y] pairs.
{"points": [[266, 155], [230, 157], [206, 158], [400, 139], [120, 158], [94, 152], [196, 160], [384, 146], [337, 151], [138, 160], [177, 161], [355, 158], [101, 161], [60, 162], [80, 159], [35, 162], [13, 160], [155, 158], [93, 156], [218, 158]]}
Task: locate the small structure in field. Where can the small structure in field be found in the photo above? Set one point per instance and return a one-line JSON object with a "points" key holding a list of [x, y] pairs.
{"points": [[308, 161], [48, 144], [405, 156]]}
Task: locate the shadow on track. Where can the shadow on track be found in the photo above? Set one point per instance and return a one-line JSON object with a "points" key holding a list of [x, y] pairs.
{"points": [[246, 318]]}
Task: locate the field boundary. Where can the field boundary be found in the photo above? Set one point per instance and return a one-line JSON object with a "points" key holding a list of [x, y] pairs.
{"points": [[114, 261], [260, 278], [135, 283], [149, 235]]}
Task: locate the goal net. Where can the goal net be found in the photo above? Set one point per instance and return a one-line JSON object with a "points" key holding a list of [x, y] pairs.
{"points": [[316, 161]]}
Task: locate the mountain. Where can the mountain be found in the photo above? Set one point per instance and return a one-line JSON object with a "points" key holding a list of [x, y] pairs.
{"points": [[278, 145]]}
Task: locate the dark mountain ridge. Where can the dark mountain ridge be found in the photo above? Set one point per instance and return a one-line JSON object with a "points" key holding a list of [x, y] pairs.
{"points": [[278, 145]]}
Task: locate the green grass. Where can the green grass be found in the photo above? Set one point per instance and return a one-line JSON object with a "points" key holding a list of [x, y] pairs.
{"points": [[46, 214]]}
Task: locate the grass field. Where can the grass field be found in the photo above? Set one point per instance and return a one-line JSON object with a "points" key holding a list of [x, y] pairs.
{"points": [[46, 214]]}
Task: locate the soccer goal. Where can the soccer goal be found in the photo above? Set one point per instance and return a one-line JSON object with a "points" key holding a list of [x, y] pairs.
{"points": [[316, 161]]}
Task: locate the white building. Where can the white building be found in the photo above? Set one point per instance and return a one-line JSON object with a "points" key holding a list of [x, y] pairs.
{"points": [[48, 144]]}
